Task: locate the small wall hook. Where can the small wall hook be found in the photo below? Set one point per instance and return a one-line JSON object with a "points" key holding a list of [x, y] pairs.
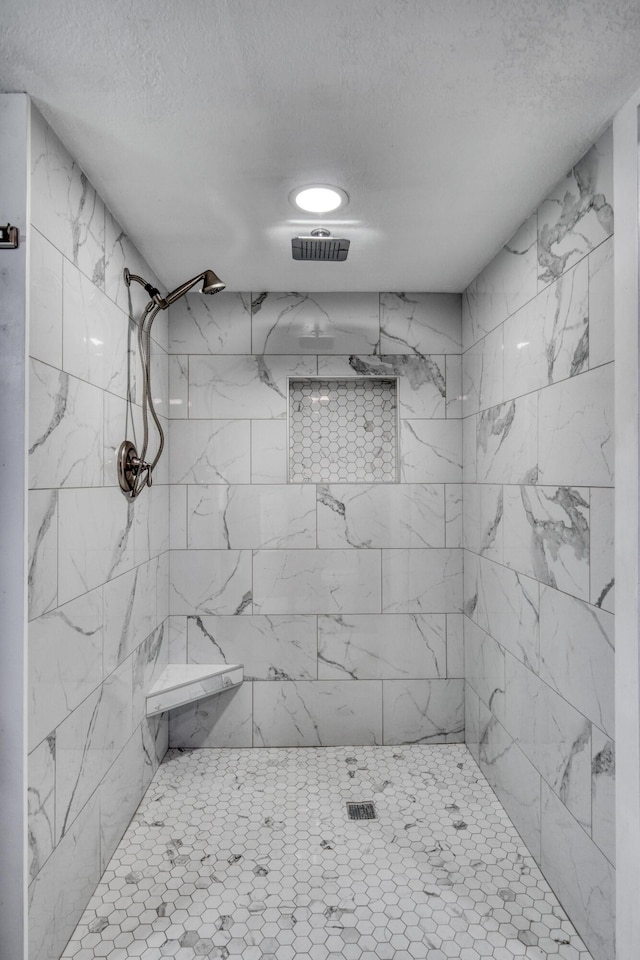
{"points": [[9, 237]]}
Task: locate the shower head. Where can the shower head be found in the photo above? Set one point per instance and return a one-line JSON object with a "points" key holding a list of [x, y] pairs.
{"points": [[211, 283]]}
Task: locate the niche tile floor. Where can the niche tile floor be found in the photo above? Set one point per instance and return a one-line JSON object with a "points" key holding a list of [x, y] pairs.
{"points": [[251, 853]]}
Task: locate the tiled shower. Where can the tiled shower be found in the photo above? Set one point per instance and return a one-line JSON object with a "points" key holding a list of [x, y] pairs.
{"points": [[465, 597]]}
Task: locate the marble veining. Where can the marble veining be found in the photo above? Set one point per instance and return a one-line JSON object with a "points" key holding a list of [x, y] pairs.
{"points": [[251, 853]]}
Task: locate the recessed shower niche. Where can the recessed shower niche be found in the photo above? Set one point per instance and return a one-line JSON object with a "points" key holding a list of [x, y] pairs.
{"points": [[343, 430]]}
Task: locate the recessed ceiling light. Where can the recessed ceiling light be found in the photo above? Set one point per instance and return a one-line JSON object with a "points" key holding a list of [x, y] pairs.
{"points": [[319, 199]]}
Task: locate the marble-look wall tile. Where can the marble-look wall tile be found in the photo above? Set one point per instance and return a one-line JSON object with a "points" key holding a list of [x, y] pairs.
{"points": [[574, 864], [96, 538], [210, 581], [603, 799], [65, 429], [422, 384], [553, 735], [88, 742], [577, 215], [148, 661], [483, 520], [422, 581], [484, 665], [42, 576], [547, 535], [316, 581], [513, 776], [120, 793], [317, 713], [455, 393], [130, 612], [472, 721], [431, 451], [64, 206], [246, 516], [381, 515], [45, 305], [269, 451], [373, 647], [601, 304], [420, 323], [254, 387], [577, 654], [270, 648], [120, 253], [209, 451], [58, 895], [482, 373], [508, 609], [507, 442], [455, 645], [423, 711], [351, 320], [221, 721], [602, 566], [98, 344], [469, 449], [177, 639], [41, 804], [178, 387], [549, 338], [504, 286], [453, 519], [576, 430], [220, 324], [65, 662]]}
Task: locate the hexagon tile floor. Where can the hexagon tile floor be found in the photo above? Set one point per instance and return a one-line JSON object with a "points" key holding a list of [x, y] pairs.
{"points": [[251, 853]]}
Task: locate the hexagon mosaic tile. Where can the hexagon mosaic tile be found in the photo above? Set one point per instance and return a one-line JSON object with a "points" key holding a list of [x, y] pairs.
{"points": [[250, 853], [343, 430]]}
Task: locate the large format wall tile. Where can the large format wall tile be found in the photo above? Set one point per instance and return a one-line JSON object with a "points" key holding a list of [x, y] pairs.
{"points": [[246, 386], [381, 515], [277, 647], [601, 340], [423, 711], [507, 448], [420, 323], [221, 721], [209, 451], [45, 307], [210, 581], [203, 324], [482, 373], [317, 713], [431, 451], [507, 607], [41, 804], [422, 380], [371, 647], [422, 581], [42, 574], [246, 516], [316, 581], [351, 320]]}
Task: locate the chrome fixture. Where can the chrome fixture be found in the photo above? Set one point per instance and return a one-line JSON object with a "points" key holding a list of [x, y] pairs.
{"points": [[9, 237], [134, 471], [320, 245]]}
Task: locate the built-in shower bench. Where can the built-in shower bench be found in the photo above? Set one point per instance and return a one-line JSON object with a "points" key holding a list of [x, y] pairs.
{"points": [[181, 683]]}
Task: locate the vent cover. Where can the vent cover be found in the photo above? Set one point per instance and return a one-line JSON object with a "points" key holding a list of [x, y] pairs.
{"points": [[364, 810], [319, 246]]}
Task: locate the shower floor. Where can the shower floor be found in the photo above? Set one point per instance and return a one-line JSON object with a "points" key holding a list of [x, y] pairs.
{"points": [[251, 853]]}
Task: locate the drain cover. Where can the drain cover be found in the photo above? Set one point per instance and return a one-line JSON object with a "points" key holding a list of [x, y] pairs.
{"points": [[361, 811]]}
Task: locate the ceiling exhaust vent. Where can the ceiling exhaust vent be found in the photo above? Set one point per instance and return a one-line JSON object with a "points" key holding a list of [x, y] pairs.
{"points": [[319, 246]]}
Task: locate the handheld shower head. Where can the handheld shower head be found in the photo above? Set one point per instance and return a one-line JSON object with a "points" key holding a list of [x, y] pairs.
{"points": [[211, 283]]}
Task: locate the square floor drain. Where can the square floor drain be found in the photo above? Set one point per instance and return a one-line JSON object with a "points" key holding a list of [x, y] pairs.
{"points": [[361, 811]]}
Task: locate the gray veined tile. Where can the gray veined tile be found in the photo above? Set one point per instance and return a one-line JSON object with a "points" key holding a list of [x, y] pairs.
{"points": [[482, 373], [483, 520], [507, 442], [253, 387], [45, 307], [431, 451], [42, 575], [269, 451], [209, 451], [453, 518], [389, 515], [221, 721], [276, 647], [601, 334], [316, 581], [455, 645], [178, 387], [65, 662], [317, 713], [603, 812], [507, 283], [577, 215], [602, 561], [149, 659], [279, 320], [422, 379], [548, 340], [247, 516], [507, 607], [64, 206], [576, 430], [65, 430], [120, 253], [422, 581], [423, 711], [130, 612], [210, 581], [547, 535], [41, 804], [352, 647], [177, 635], [577, 655], [484, 661], [211, 325], [454, 386], [420, 323]]}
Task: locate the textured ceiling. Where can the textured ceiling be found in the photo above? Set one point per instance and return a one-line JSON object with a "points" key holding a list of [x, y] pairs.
{"points": [[445, 121]]}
